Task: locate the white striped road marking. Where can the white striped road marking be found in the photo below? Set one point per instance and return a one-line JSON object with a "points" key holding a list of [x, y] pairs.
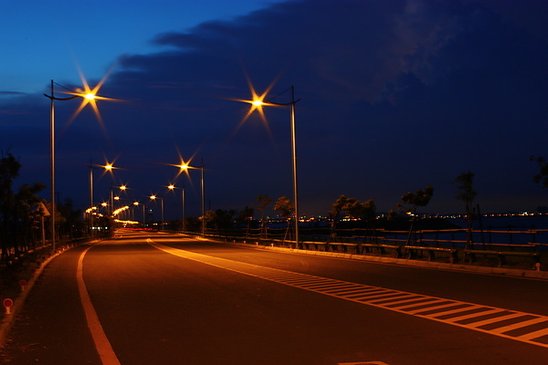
{"points": [[418, 305], [476, 314], [536, 334], [454, 311], [425, 301], [102, 345], [436, 307], [485, 322], [363, 363], [518, 325]]}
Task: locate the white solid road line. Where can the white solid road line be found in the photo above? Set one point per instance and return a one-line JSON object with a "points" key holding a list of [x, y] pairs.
{"points": [[102, 344]]}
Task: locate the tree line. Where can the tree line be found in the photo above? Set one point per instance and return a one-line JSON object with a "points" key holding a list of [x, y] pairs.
{"points": [[350, 209], [20, 216], [20, 213]]}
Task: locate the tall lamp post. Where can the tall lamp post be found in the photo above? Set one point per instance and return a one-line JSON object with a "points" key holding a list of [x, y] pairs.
{"points": [[122, 188], [108, 167], [172, 187], [135, 205], [91, 198], [89, 96], [257, 103], [153, 197], [184, 167]]}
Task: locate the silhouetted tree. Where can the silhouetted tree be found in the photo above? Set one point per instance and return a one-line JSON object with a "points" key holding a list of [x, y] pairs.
{"points": [[420, 198], [209, 216], [16, 209], [364, 211], [245, 216], [412, 201], [26, 201], [335, 212], [284, 207], [466, 194], [71, 224], [223, 219], [263, 201], [542, 176], [352, 207], [9, 170]]}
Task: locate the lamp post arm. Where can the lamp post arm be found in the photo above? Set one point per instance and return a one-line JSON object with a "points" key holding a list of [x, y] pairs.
{"points": [[51, 97], [292, 102]]}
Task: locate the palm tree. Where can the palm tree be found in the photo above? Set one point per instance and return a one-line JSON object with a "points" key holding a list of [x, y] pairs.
{"points": [[284, 207], [263, 202], [420, 198], [467, 194], [336, 208]]}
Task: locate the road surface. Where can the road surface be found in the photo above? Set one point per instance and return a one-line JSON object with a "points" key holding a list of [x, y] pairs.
{"points": [[167, 299]]}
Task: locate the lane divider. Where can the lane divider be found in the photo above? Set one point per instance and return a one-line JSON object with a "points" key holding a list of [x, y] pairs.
{"points": [[510, 324], [102, 344]]}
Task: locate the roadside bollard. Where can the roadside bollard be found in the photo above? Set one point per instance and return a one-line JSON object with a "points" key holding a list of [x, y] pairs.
{"points": [[23, 284], [8, 304]]}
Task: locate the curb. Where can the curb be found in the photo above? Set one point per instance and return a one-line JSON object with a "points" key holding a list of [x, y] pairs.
{"points": [[19, 301]]}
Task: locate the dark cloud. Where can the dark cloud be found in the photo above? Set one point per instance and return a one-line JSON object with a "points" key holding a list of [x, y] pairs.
{"points": [[11, 93], [395, 95]]}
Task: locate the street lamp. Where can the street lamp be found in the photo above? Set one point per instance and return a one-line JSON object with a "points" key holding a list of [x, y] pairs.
{"points": [[122, 188], [257, 103], [153, 197], [108, 167], [135, 205], [185, 167], [172, 187], [91, 198], [88, 96]]}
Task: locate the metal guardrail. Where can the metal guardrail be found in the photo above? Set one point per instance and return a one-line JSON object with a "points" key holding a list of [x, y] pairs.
{"points": [[497, 254]]}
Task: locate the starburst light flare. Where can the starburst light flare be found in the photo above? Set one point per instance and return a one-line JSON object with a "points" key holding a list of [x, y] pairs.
{"points": [[89, 96]]}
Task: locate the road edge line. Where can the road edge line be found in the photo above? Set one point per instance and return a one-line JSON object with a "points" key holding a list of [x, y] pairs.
{"points": [[102, 344]]}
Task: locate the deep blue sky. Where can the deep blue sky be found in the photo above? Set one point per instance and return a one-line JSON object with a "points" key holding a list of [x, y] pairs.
{"points": [[395, 95]]}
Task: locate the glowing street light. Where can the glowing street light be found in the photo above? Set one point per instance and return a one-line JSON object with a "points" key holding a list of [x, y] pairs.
{"points": [[172, 187], [122, 188], [88, 96], [184, 167], [135, 205], [153, 197], [257, 102], [108, 167]]}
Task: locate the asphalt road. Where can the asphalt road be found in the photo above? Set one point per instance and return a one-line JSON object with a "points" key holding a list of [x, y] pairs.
{"points": [[163, 299]]}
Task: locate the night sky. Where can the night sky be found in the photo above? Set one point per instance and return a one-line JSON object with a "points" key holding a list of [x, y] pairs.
{"points": [[394, 95]]}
